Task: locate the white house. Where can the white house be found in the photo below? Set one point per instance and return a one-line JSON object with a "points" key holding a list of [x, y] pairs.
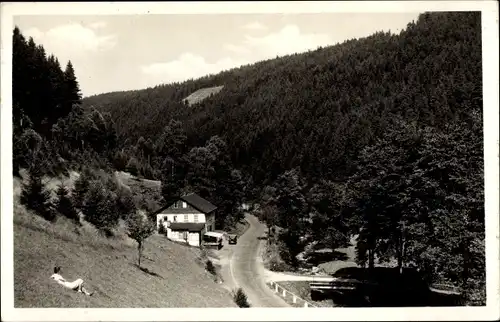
{"points": [[187, 219]]}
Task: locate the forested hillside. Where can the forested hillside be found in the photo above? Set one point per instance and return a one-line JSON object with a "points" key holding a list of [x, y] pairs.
{"points": [[379, 138], [317, 110]]}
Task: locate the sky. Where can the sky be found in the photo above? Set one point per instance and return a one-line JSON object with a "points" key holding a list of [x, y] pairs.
{"points": [[126, 52]]}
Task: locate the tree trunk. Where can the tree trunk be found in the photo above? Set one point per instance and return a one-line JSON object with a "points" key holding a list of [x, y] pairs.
{"points": [[399, 253], [139, 248], [371, 258], [400, 259], [465, 269], [403, 244]]}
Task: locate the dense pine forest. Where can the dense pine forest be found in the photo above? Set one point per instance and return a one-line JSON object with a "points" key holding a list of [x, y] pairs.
{"points": [[379, 138]]}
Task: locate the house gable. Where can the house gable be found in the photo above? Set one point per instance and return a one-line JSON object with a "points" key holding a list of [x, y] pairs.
{"points": [[190, 203], [189, 209]]}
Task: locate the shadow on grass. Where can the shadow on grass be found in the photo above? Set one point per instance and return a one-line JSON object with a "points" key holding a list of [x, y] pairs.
{"points": [[385, 287], [99, 291], [262, 238], [147, 271]]}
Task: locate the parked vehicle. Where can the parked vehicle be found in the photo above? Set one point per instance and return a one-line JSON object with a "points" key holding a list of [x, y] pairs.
{"points": [[212, 239], [233, 239]]}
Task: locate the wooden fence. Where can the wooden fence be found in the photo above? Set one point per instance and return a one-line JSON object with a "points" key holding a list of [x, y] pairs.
{"points": [[285, 294]]}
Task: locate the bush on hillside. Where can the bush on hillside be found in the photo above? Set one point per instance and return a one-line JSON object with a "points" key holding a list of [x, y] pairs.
{"points": [[240, 298], [148, 172], [36, 197], [290, 246], [82, 185], [273, 260], [99, 207], [125, 204], [65, 204], [133, 166], [120, 161], [161, 228]]}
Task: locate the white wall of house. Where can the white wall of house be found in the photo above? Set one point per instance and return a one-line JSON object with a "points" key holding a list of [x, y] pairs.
{"points": [[193, 238], [196, 218]]}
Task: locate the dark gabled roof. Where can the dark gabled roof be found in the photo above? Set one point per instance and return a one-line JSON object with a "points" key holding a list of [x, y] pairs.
{"points": [[187, 226], [194, 200], [199, 203]]}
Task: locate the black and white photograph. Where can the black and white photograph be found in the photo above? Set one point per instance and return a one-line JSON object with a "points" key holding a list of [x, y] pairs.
{"points": [[314, 158]]}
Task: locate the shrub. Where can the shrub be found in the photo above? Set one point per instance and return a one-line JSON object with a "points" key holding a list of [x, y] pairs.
{"points": [[99, 207], [125, 204], [240, 298], [274, 261], [289, 247], [133, 166], [209, 266], [65, 204], [148, 172], [120, 161], [161, 228]]}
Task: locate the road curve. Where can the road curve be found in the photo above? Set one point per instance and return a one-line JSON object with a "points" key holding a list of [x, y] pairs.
{"points": [[246, 268]]}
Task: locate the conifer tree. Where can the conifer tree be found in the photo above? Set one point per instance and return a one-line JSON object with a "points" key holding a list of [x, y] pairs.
{"points": [[72, 89], [99, 207], [36, 197], [82, 186], [65, 204]]}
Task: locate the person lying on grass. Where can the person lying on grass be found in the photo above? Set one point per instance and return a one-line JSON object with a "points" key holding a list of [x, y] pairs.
{"points": [[75, 286]]}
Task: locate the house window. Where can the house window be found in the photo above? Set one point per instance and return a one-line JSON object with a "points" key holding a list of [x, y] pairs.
{"points": [[186, 218], [195, 218], [175, 218], [176, 204], [184, 205]]}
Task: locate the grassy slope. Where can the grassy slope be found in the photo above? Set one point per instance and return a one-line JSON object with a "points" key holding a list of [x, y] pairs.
{"points": [[202, 93], [107, 265]]}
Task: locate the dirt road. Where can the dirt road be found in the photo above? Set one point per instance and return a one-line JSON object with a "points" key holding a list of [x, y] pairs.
{"points": [[242, 267]]}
